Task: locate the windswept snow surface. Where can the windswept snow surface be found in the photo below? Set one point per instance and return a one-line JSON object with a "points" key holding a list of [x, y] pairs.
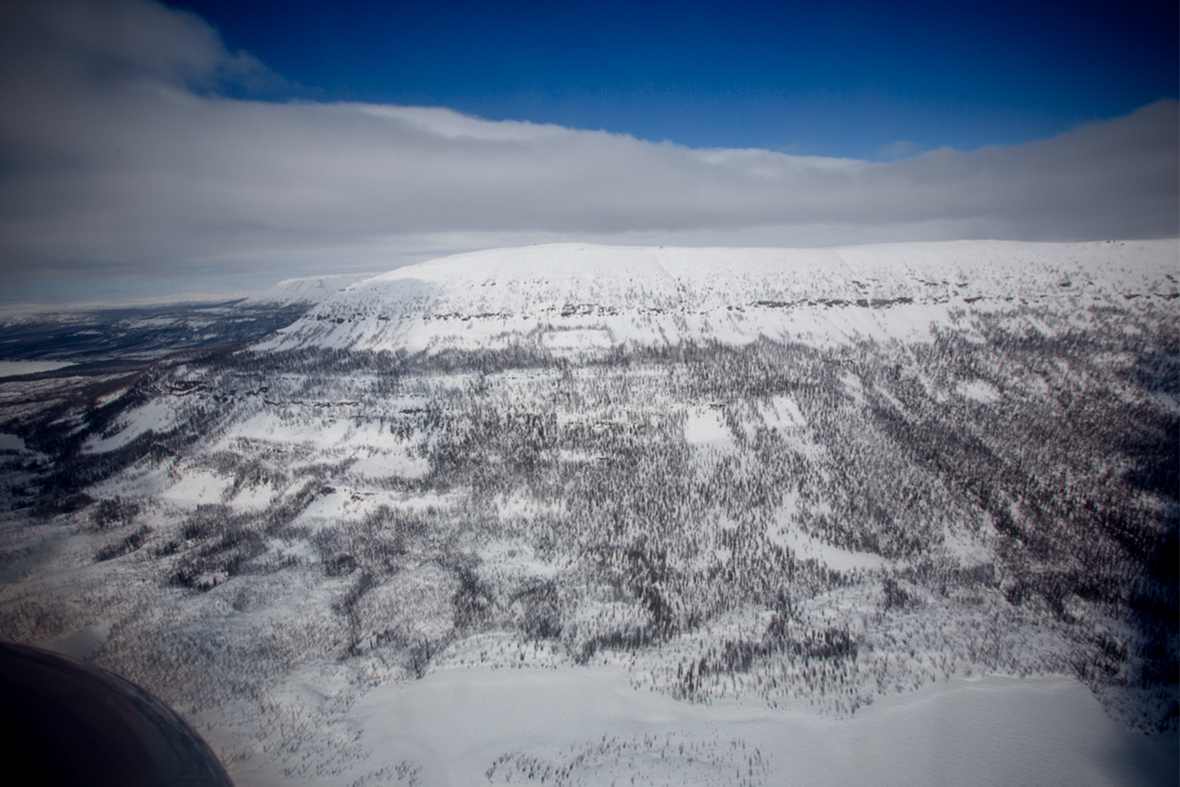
{"points": [[579, 296]]}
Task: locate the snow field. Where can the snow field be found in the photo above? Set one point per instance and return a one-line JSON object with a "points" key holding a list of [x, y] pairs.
{"points": [[667, 296]]}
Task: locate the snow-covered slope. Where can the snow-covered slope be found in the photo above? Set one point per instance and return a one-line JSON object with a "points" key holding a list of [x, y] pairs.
{"points": [[728, 563], [578, 297], [312, 289]]}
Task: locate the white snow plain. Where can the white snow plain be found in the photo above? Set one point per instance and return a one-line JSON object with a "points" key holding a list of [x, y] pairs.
{"points": [[589, 726]]}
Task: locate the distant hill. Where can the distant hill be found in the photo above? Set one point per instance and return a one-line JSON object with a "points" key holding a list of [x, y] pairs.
{"points": [[305, 291], [143, 333]]}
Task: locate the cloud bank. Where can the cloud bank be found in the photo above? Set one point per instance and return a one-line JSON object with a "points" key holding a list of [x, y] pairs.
{"points": [[130, 146]]}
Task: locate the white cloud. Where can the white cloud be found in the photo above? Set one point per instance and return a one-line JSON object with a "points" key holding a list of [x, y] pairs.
{"points": [[120, 155]]}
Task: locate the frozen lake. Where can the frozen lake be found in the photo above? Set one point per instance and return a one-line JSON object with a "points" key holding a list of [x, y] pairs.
{"points": [[454, 724]]}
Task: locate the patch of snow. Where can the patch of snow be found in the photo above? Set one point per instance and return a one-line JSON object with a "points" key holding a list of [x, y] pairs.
{"points": [[978, 390], [785, 532], [79, 644], [158, 414], [379, 464], [198, 487], [706, 427], [253, 498], [969, 550], [853, 387], [576, 340], [517, 560]]}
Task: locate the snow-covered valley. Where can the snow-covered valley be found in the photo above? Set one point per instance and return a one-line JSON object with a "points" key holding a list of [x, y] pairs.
{"points": [[707, 501]]}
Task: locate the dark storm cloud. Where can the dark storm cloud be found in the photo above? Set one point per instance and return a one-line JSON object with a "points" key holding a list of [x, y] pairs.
{"points": [[121, 154]]}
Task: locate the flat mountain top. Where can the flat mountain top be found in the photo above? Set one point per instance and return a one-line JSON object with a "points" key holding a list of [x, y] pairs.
{"points": [[656, 295], [306, 290]]}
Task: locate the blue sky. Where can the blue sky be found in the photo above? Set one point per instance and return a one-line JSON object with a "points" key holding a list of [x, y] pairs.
{"points": [[151, 150], [833, 79]]}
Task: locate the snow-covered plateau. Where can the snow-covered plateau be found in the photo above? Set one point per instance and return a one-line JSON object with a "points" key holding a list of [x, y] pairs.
{"points": [[585, 515], [308, 290]]}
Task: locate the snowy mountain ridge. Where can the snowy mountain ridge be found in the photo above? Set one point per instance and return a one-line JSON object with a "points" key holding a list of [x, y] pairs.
{"points": [[309, 289], [612, 295]]}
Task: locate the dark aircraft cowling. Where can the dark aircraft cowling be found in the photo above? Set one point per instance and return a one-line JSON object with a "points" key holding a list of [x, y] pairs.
{"points": [[63, 722]]}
